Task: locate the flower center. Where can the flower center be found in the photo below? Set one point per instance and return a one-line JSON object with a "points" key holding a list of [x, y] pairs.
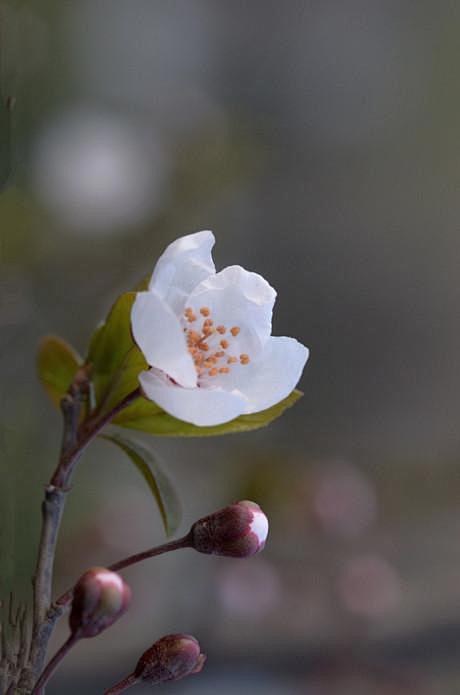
{"points": [[203, 341]]}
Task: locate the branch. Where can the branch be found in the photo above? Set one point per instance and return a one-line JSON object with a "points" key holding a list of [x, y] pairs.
{"points": [[52, 511], [74, 442]]}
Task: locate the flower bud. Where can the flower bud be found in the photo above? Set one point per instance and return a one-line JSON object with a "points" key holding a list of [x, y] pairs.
{"points": [[239, 530], [169, 659], [100, 597]]}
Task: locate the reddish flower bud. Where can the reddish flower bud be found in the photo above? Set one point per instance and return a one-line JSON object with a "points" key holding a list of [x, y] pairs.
{"points": [[169, 659], [239, 530], [100, 597]]}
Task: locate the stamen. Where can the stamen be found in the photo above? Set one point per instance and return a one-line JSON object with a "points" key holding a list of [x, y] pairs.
{"points": [[193, 337], [207, 330], [189, 315], [198, 344]]}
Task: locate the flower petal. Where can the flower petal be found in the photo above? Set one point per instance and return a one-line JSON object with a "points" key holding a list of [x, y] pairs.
{"points": [[237, 297], [158, 333], [203, 407], [184, 264], [269, 379]]}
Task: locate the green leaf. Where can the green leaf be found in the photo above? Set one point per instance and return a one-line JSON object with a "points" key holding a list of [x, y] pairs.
{"points": [[115, 359], [57, 363], [145, 416], [159, 484], [126, 378]]}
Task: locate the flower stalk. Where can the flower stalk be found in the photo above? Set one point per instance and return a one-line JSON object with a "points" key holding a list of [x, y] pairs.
{"points": [[39, 688], [65, 599], [184, 542], [122, 685]]}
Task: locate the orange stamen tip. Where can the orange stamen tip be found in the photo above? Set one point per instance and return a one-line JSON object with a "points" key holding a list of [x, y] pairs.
{"points": [[235, 330], [205, 311], [244, 359], [213, 372], [220, 354], [204, 346], [224, 344], [193, 337], [224, 370], [232, 360], [221, 329]]}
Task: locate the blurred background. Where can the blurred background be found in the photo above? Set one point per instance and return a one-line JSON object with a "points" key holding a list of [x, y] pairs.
{"points": [[321, 142]]}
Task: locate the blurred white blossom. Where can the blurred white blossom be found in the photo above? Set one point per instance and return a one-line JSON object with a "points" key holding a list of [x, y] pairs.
{"points": [[98, 173]]}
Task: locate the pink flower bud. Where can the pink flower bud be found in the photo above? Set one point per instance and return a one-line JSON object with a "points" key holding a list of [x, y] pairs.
{"points": [[100, 597], [239, 530], [169, 659]]}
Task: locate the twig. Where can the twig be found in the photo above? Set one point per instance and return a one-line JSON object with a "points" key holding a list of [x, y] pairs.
{"points": [[52, 510], [65, 599], [184, 542], [74, 442]]}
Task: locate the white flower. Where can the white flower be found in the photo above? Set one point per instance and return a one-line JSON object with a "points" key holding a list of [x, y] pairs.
{"points": [[207, 338]]}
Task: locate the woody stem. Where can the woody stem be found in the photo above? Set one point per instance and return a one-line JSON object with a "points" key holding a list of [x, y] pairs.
{"points": [[75, 440]]}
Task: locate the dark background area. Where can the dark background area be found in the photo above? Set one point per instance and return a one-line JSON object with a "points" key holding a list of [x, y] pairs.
{"points": [[320, 141]]}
